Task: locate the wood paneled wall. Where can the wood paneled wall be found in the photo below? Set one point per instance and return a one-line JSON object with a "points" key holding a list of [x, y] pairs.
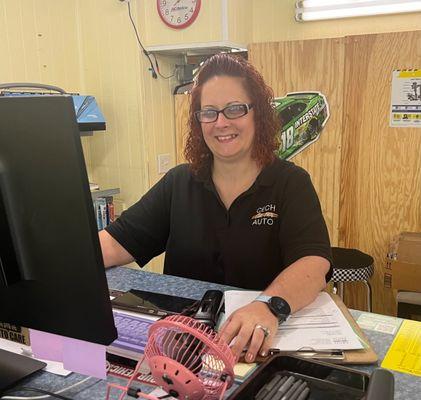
{"points": [[381, 166], [367, 175]]}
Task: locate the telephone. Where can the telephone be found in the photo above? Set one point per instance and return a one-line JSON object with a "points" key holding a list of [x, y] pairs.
{"points": [[209, 308]]}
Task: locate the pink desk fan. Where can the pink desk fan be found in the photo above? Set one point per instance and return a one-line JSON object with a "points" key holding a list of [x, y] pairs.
{"points": [[187, 359]]}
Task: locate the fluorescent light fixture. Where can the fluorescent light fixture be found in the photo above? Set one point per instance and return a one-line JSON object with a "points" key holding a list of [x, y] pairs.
{"points": [[311, 10]]}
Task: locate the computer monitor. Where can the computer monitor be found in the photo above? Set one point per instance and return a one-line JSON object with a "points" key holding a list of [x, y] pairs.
{"points": [[52, 276], [88, 114]]}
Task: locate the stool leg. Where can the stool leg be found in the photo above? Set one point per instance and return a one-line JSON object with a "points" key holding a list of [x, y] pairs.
{"points": [[368, 286], [341, 290]]}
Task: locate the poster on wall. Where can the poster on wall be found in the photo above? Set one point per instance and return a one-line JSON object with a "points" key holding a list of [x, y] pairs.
{"points": [[406, 98], [303, 116]]}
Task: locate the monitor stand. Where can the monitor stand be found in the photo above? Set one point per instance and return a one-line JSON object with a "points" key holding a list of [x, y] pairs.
{"points": [[14, 367]]}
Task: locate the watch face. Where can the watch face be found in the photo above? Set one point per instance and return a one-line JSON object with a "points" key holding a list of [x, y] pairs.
{"points": [[279, 307], [178, 14]]}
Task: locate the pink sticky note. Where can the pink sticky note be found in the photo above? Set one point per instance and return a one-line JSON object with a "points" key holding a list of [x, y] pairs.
{"points": [[46, 346], [76, 355], [84, 357]]}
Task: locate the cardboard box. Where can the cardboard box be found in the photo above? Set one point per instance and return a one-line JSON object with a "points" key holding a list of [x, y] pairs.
{"points": [[403, 264]]}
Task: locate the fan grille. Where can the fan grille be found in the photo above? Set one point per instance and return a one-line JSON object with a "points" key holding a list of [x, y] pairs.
{"points": [[202, 357]]}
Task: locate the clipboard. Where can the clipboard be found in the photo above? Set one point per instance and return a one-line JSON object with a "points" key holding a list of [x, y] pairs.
{"points": [[360, 356], [363, 356]]}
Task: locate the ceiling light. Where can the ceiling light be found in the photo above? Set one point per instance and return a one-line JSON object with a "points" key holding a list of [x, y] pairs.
{"points": [[310, 10]]}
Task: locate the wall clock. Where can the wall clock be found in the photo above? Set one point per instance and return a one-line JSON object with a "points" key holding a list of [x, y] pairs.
{"points": [[178, 14]]}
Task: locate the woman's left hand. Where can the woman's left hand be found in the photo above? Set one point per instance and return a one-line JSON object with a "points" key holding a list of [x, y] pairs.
{"points": [[252, 325]]}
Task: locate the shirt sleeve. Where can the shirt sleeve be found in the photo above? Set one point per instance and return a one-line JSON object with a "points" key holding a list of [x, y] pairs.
{"points": [[303, 230], [143, 228]]}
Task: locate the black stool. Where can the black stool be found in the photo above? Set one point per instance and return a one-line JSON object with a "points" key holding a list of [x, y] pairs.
{"points": [[351, 265]]}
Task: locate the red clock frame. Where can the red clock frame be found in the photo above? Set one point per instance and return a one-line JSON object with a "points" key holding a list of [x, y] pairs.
{"points": [[185, 24]]}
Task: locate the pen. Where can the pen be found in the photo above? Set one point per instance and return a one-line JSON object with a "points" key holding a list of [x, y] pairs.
{"points": [[297, 393], [321, 354], [283, 389], [291, 390], [268, 395], [268, 387], [304, 394]]}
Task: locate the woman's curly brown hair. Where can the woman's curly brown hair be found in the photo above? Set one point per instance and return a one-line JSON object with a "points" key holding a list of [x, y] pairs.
{"points": [[266, 124]]}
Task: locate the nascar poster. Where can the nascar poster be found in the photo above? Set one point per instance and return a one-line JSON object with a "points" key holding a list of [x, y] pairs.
{"points": [[303, 116], [406, 98]]}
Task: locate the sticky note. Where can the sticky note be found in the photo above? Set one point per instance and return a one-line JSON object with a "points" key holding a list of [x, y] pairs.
{"points": [[76, 355], [84, 357], [47, 346]]}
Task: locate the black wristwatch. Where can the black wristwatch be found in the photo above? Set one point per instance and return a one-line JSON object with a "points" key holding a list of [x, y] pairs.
{"points": [[277, 305]]}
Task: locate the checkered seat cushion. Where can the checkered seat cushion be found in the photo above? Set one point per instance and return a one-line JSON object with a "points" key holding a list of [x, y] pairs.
{"points": [[351, 265]]}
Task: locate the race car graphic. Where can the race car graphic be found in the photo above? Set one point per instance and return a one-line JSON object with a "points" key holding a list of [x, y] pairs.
{"points": [[303, 115]]}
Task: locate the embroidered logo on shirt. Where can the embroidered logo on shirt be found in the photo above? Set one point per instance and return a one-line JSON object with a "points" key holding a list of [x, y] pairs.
{"points": [[264, 215]]}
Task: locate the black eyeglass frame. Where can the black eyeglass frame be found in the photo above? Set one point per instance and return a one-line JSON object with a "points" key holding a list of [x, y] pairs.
{"points": [[247, 108]]}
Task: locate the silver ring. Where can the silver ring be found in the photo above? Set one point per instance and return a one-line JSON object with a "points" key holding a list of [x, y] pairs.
{"points": [[266, 331]]}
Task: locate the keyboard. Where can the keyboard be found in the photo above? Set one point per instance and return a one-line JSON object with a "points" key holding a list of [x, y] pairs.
{"points": [[132, 335]]}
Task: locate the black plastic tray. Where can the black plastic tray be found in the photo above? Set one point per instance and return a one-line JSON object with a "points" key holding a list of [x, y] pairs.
{"points": [[326, 381]]}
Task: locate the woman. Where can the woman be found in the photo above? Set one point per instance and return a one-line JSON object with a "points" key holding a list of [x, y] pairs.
{"points": [[235, 214]]}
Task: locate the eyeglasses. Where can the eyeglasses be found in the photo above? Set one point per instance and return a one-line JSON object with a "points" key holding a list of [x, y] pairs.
{"points": [[232, 111]]}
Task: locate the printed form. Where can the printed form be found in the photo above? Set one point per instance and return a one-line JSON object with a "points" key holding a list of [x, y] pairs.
{"points": [[320, 326]]}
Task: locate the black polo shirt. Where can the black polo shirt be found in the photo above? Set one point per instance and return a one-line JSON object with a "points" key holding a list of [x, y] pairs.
{"points": [[268, 227]]}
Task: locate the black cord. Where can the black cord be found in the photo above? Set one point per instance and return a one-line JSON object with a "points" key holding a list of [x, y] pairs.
{"points": [[159, 73], [154, 69], [30, 389], [154, 74]]}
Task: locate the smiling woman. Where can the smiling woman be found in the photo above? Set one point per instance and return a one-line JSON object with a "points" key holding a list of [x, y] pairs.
{"points": [[235, 214], [227, 138], [230, 80]]}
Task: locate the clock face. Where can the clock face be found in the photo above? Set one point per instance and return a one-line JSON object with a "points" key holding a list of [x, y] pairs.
{"points": [[178, 14]]}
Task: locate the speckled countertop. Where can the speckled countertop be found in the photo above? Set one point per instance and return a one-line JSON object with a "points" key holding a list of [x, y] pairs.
{"points": [[407, 387]]}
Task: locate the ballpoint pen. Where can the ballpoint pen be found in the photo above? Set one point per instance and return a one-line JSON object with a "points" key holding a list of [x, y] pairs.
{"points": [[282, 389], [269, 386], [304, 394], [290, 391], [298, 392], [310, 353], [321, 354], [269, 394]]}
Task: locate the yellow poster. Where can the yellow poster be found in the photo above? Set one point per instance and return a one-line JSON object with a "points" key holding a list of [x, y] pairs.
{"points": [[404, 355]]}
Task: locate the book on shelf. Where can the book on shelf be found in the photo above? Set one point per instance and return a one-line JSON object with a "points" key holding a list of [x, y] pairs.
{"points": [[101, 212], [103, 205], [110, 209]]}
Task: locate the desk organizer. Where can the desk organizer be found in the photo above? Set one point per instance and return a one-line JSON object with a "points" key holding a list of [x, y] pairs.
{"points": [[326, 381]]}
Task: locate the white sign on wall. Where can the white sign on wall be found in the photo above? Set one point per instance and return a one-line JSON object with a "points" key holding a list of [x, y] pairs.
{"points": [[406, 98]]}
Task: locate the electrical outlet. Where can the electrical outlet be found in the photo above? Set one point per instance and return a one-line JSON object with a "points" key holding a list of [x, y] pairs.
{"points": [[164, 163]]}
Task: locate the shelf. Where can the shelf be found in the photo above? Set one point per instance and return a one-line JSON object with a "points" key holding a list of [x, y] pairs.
{"points": [[104, 193], [197, 49]]}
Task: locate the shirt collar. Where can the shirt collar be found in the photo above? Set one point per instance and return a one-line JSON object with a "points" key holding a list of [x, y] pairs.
{"points": [[266, 177]]}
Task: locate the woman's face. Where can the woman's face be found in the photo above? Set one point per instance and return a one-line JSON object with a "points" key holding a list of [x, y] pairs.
{"points": [[228, 139]]}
